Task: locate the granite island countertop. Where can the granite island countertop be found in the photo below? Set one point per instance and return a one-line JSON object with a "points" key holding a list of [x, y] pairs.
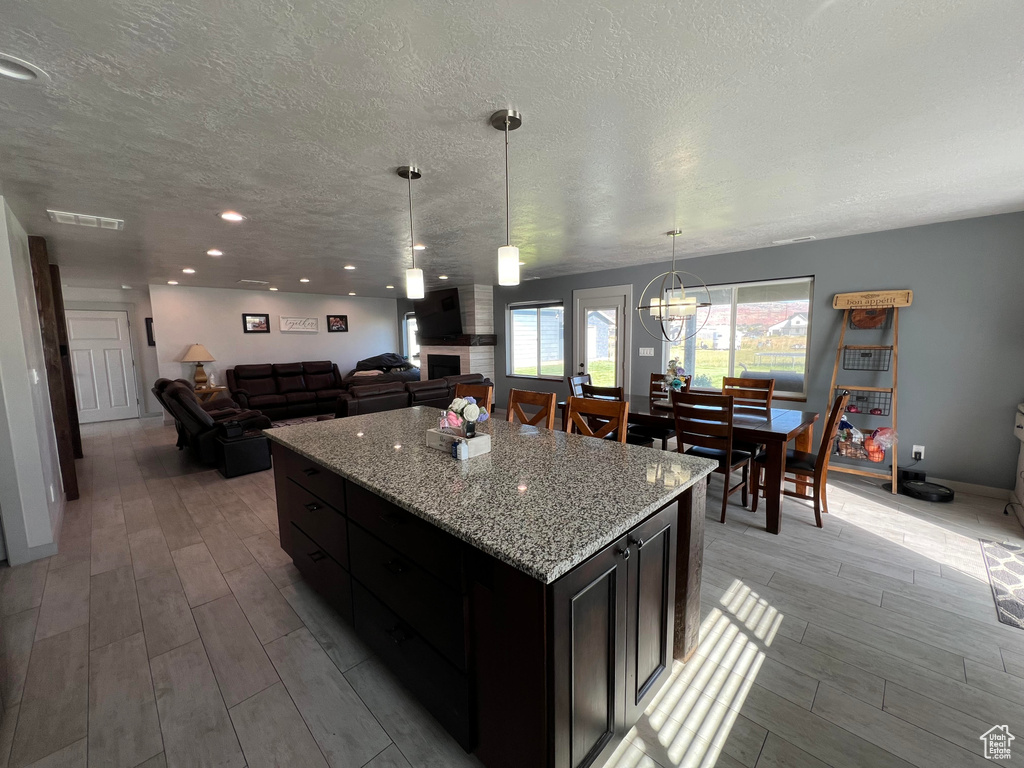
{"points": [[542, 501]]}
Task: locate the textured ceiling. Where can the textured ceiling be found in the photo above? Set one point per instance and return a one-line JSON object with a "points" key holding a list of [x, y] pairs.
{"points": [[738, 122]]}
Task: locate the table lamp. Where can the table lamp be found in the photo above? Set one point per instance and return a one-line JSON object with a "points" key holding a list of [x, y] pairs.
{"points": [[199, 354]]}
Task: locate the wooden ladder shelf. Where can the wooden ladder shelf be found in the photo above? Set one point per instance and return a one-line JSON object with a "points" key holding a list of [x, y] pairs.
{"points": [[866, 357]]}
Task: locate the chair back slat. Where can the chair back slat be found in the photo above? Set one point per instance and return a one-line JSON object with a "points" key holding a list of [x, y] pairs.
{"points": [[703, 420], [483, 393], [584, 413], [657, 392], [576, 382], [748, 392], [831, 430], [517, 398], [602, 393]]}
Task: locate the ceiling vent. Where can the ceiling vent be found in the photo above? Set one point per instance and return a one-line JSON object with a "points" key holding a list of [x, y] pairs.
{"points": [[804, 239], [255, 282], [84, 220]]}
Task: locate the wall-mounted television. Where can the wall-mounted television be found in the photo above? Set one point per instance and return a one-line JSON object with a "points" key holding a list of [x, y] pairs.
{"points": [[438, 314]]}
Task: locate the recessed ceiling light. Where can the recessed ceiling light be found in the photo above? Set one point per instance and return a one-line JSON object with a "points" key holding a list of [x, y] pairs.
{"points": [[273, 289], [188, 271], [233, 216], [442, 277], [522, 263], [419, 247], [172, 282], [19, 69], [349, 266], [303, 279], [85, 220], [126, 287], [214, 252], [254, 282], [351, 293], [389, 286]]}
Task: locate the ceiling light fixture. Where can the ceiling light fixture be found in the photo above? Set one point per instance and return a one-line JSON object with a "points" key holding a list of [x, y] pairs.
{"points": [[389, 286], [351, 293], [670, 307], [419, 247], [413, 276], [172, 282], [273, 289], [126, 287], [508, 255], [214, 252], [349, 266], [20, 70], [442, 277], [303, 279], [188, 271], [233, 216]]}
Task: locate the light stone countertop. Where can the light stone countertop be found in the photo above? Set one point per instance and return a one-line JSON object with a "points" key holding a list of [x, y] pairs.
{"points": [[542, 501]]}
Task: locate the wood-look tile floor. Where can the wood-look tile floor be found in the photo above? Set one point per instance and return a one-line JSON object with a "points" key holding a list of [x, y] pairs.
{"points": [[171, 630]]}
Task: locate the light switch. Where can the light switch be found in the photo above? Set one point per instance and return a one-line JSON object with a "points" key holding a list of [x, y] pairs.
{"points": [[646, 351]]}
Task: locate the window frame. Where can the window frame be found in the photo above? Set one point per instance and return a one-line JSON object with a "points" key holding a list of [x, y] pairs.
{"points": [[510, 337], [407, 347], [735, 287]]}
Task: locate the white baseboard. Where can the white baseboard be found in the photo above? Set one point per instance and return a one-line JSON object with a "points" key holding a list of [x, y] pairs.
{"points": [[1003, 494]]}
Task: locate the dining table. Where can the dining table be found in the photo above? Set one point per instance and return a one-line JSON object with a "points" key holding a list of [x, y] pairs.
{"points": [[773, 428]]}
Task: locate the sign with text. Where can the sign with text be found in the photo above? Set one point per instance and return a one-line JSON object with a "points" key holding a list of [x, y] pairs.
{"points": [[872, 299], [299, 325]]}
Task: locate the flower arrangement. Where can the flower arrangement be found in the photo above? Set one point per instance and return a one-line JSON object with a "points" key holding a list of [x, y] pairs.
{"points": [[464, 414], [674, 374]]}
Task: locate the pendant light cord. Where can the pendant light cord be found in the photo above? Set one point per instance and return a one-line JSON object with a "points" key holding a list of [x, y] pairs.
{"points": [[508, 204], [412, 234]]}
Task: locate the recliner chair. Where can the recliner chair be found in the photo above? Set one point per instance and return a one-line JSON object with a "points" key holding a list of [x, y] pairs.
{"points": [[198, 429]]}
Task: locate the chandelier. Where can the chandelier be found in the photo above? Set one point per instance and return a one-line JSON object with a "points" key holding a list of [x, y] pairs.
{"points": [[665, 312]]}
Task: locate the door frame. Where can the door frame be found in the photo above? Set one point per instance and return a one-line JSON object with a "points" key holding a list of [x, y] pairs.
{"points": [[584, 294], [131, 348]]}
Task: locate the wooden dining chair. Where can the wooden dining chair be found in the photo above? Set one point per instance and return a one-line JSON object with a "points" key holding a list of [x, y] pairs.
{"points": [[483, 393], [749, 392], [704, 422], [807, 467], [615, 393], [657, 392], [517, 398], [607, 417], [576, 382], [601, 393]]}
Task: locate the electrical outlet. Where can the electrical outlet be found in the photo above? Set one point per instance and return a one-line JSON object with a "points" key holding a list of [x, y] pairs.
{"points": [[918, 452], [646, 351]]}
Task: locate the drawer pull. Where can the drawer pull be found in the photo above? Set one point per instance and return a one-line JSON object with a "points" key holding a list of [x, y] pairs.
{"points": [[309, 471], [399, 635], [396, 566], [317, 556], [639, 542], [625, 553], [312, 506]]}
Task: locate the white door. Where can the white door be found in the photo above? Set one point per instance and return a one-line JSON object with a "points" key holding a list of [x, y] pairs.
{"points": [[102, 365], [601, 334]]}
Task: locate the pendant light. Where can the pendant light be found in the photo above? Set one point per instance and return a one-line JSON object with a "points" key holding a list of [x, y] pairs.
{"points": [[508, 255], [413, 276], [670, 308]]}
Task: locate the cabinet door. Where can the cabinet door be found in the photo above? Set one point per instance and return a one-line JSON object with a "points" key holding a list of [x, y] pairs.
{"points": [[589, 636], [650, 609]]}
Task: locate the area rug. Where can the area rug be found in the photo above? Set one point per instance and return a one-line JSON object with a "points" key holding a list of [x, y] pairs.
{"points": [[1005, 564], [300, 420]]}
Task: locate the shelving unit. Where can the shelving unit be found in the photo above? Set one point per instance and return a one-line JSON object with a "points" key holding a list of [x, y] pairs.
{"points": [[878, 404]]}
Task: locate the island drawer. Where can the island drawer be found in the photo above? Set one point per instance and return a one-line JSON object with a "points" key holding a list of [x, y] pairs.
{"points": [[439, 686], [321, 570], [319, 520], [432, 608], [425, 544], [311, 476]]}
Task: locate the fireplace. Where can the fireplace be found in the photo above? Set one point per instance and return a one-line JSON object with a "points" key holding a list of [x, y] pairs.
{"points": [[439, 366]]}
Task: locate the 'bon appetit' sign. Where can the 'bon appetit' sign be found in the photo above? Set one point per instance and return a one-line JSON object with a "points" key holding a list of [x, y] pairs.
{"points": [[299, 325]]}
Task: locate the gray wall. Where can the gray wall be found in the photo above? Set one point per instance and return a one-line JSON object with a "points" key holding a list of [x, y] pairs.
{"points": [[961, 372]]}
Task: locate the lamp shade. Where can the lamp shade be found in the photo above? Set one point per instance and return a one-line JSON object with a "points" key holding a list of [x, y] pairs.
{"points": [[197, 353], [508, 265], [414, 283]]}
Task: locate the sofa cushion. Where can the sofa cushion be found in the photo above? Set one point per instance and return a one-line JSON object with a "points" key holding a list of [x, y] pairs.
{"points": [[428, 385], [287, 369], [328, 394], [262, 371], [300, 397], [255, 379], [317, 381], [371, 390], [318, 366], [265, 401], [465, 378], [286, 384]]}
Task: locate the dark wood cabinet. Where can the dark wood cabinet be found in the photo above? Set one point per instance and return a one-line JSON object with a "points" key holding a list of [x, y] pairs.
{"points": [[521, 672]]}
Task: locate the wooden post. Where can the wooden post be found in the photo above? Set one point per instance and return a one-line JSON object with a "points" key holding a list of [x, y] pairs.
{"points": [[65, 359]]}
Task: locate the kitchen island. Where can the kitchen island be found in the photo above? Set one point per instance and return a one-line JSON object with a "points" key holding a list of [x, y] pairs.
{"points": [[532, 598]]}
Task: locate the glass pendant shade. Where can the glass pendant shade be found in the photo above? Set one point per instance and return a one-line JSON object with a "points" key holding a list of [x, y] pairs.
{"points": [[508, 265], [414, 283]]}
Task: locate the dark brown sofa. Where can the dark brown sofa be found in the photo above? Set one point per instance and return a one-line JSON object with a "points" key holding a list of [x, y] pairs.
{"points": [[373, 398], [286, 390]]}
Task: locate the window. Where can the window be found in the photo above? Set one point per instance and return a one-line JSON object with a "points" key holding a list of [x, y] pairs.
{"points": [[412, 342], [758, 330], [536, 334]]}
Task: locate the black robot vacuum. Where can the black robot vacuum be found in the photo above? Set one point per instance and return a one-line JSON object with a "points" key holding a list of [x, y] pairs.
{"points": [[919, 489]]}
